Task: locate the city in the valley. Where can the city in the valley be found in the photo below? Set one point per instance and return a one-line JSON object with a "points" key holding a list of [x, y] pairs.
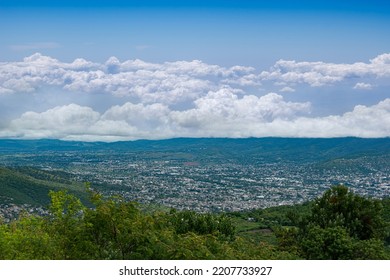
{"points": [[209, 174]]}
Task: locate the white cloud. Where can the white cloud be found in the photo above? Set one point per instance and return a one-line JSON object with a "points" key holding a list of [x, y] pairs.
{"points": [[182, 99], [287, 89], [55, 123], [320, 73], [363, 121], [219, 114], [179, 81], [5, 90], [383, 59], [363, 86], [169, 82]]}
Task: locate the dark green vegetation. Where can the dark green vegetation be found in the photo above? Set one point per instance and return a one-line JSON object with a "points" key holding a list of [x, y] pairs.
{"points": [[31, 186], [116, 229], [338, 225], [248, 149]]}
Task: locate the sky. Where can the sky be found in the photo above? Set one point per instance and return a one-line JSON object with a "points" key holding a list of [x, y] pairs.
{"points": [[125, 70]]}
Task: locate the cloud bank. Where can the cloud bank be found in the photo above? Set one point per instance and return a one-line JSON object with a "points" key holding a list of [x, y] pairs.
{"points": [[318, 74], [167, 83], [219, 114], [173, 81], [188, 99]]}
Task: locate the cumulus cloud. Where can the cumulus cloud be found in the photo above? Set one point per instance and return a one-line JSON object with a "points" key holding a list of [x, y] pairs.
{"points": [[287, 89], [168, 82], [320, 73], [183, 99], [178, 81], [54, 123], [363, 86], [172, 82], [363, 121], [224, 107], [219, 114]]}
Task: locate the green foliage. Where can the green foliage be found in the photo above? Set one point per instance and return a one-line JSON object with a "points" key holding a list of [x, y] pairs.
{"points": [[371, 249], [287, 239], [66, 225], [285, 215], [27, 238], [24, 186], [341, 225], [190, 221], [361, 217], [386, 217], [330, 243], [118, 229]]}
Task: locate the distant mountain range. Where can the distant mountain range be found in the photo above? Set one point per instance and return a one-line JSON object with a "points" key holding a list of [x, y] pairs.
{"points": [[305, 149]]}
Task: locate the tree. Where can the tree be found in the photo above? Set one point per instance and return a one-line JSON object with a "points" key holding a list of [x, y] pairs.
{"points": [[361, 217], [342, 225], [27, 238], [66, 225], [190, 221]]}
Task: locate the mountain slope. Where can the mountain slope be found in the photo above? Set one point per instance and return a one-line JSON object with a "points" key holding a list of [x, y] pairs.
{"points": [[20, 188]]}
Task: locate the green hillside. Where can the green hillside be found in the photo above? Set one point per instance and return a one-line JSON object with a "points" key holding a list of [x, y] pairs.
{"points": [[31, 186]]}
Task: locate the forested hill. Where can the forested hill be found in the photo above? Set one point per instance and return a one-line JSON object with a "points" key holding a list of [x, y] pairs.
{"points": [[305, 149], [183, 143], [31, 186]]}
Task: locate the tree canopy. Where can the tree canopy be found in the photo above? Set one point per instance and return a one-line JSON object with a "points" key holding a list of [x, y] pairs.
{"points": [[341, 225]]}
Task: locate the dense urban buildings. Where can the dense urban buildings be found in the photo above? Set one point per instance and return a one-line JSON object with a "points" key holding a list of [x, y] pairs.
{"points": [[212, 174]]}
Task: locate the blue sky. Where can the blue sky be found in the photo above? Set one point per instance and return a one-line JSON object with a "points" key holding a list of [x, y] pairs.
{"points": [[224, 32], [322, 41]]}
